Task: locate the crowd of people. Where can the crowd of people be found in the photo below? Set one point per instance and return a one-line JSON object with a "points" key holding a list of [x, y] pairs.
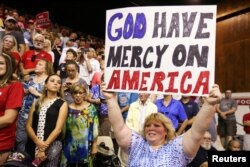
{"points": [[54, 106]]}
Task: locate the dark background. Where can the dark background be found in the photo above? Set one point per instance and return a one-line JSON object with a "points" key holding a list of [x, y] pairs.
{"points": [[232, 29], [85, 15]]}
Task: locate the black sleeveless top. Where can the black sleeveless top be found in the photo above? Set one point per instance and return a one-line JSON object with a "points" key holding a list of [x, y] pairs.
{"points": [[50, 120], [50, 123]]}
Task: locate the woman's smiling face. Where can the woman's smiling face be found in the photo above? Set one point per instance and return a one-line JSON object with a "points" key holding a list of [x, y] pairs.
{"points": [[155, 133]]}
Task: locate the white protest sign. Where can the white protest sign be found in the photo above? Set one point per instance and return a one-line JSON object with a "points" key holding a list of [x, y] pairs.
{"points": [[166, 50]]}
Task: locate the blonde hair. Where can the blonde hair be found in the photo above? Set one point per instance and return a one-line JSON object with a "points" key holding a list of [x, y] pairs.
{"points": [[78, 87], [47, 41], [14, 48], [166, 122]]}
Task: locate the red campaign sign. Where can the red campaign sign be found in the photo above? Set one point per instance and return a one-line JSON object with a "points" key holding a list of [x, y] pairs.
{"points": [[243, 101], [42, 20]]}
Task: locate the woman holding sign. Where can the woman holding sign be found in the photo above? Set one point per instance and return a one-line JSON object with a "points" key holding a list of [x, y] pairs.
{"points": [[158, 146]]}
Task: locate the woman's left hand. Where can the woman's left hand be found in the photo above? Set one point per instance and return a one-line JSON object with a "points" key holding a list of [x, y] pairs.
{"points": [[41, 155]]}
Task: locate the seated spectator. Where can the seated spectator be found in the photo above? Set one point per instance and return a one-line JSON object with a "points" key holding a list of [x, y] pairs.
{"points": [[201, 158]]}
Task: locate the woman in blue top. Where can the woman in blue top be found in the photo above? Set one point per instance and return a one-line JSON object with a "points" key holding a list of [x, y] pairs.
{"points": [[157, 146]]}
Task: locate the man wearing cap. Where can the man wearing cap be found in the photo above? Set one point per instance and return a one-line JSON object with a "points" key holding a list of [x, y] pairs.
{"points": [[10, 25]]}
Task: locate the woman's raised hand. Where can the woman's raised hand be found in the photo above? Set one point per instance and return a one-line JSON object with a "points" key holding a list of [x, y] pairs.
{"points": [[214, 95]]}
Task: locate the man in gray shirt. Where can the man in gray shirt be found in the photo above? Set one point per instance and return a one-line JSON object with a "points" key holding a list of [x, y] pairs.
{"points": [[226, 118]]}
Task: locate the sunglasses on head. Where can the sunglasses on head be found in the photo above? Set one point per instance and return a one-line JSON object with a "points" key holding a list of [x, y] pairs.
{"points": [[33, 58]]}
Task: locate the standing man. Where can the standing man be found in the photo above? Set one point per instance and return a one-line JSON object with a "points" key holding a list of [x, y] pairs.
{"points": [[174, 110], [246, 124], [138, 111], [191, 108], [227, 120]]}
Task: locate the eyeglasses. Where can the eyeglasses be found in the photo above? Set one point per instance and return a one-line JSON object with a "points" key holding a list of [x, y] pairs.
{"points": [[33, 58]]}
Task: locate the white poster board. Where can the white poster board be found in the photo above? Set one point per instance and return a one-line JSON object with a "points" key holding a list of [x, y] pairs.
{"points": [[161, 49]]}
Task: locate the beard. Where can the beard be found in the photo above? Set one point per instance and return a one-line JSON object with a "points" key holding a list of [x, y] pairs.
{"points": [[39, 46], [206, 146]]}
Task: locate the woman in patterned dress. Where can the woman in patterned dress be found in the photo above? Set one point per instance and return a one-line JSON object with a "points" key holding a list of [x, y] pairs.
{"points": [[45, 123], [81, 130], [157, 146]]}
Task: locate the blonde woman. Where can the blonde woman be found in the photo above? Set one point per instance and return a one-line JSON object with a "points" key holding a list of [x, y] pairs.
{"points": [[47, 48], [157, 146], [10, 47]]}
